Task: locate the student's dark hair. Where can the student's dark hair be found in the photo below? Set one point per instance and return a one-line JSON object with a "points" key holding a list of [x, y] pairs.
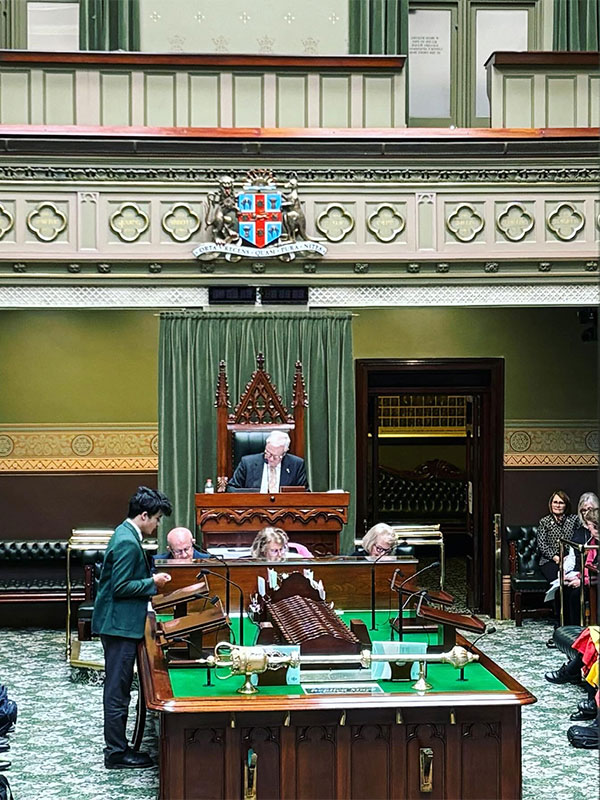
{"points": [[149, 500]]}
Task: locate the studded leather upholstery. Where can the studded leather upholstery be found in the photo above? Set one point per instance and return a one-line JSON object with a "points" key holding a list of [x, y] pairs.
{"points": [[528, 584]]}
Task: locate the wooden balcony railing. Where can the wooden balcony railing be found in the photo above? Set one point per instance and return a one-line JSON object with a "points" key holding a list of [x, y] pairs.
{"points": [[544, 90], [201, 91]]}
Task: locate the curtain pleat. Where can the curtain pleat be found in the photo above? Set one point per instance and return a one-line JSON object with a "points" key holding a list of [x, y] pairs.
{"points": [[109, 25], [190, 348], [378, 27], [576, 25]]}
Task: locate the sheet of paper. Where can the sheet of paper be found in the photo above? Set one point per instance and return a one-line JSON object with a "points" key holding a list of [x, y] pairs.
{"points": [[552, 590]]}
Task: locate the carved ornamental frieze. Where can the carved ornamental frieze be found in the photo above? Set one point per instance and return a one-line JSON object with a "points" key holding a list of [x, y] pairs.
{"points": [[7, 221], [565, 222], [515, 222], [465, 223], [129, 222], [335, 223], [386, 223], [181, 222], [46, 222]]}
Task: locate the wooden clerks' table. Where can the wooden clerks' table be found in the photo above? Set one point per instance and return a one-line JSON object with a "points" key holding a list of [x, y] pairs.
{"points": [[349, 582], [462, 739], [314, 519]]}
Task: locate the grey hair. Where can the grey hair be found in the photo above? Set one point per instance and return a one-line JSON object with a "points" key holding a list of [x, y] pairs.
{"points": [[586, 497], [278, 438], [381, 529], [267, 536]]}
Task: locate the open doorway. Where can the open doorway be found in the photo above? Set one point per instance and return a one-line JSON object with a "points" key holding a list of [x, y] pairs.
{"points": [[430, 450]]}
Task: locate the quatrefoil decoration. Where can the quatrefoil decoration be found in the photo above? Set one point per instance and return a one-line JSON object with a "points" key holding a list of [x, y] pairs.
{"points": [[386, 223], [514, 222], [565, 222], [129, 222], [180, 222], [465, 223], [47, 222], [6, 221], [335, 223]]}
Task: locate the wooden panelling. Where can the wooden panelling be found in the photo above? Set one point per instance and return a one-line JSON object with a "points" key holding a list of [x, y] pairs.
{"points": [[46, 506]]}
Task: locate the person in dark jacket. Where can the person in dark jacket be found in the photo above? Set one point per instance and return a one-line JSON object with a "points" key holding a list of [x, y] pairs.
{"points": [[120, 615], [272, 469], [180, 545]]}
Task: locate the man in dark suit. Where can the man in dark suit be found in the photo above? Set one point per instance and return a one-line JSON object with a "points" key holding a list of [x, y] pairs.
{"points": [[120, 616], [180, 545], [269, 470]]}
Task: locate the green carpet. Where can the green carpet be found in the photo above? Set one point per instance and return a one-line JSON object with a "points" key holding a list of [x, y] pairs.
{"points": [[56, 749]]}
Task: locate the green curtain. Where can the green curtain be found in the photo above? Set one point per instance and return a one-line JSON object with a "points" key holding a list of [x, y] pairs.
{"points": [[109, 25], [192, 344], [379, 27], [576, 25]]}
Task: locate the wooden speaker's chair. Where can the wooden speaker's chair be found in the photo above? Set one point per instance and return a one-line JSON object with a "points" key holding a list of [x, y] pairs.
{"points": [[259, 412]]}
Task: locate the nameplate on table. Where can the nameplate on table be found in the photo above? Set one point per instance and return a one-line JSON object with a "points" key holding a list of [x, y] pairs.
{"points": [[343, 688]]}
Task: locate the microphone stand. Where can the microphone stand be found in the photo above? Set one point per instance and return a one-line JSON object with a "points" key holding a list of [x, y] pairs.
{"points": [[227, 574], [192, 645], [238, 587], [373, 565], [470, 645], [401, 606]]}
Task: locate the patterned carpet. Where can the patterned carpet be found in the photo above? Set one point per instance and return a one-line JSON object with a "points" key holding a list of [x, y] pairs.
{"points": [[56, 750]]}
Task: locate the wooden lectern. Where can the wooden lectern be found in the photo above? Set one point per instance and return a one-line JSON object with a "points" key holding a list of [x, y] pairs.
{"points": [[313, 519]]}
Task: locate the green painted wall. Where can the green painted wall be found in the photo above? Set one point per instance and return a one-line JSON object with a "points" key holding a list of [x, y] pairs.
{"points": [[312, 27], [78, 366], [546, 361], [101, 366]]}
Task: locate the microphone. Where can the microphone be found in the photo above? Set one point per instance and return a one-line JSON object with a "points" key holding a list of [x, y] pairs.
{"points": [[227, 573], [488, 629], [419, 572], [422, 592], [229, 582]]}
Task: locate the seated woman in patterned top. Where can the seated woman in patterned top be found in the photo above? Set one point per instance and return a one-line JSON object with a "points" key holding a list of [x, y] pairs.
{"points": [[558, 524]]}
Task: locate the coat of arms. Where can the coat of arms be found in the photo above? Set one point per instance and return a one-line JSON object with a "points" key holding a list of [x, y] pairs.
{"points": [[262, 220]]}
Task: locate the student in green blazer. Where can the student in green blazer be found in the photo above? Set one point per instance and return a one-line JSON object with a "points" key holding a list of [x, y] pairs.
{"points": [[119, 617]]}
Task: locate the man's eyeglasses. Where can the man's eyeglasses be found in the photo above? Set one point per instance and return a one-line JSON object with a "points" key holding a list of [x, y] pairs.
{"points": [[183, 552], [273, 456]]}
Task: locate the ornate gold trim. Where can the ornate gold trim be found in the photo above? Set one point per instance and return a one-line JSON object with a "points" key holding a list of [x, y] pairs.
{"points": [[78, 448], [555, 460], [555, 443], [79, 465]]}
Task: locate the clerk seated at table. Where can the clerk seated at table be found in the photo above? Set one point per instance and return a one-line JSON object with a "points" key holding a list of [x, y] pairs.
{"points": [[272, 469], [379, 542], [271, 544], [180, 546]]}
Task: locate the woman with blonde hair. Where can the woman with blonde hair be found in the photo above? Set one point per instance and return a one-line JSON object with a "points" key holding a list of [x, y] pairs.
{"points": [[270, 544], [378, 541]]}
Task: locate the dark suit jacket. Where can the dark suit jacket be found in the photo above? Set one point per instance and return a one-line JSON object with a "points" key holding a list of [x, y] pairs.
{"points": [[248, 474], [125, 587]]}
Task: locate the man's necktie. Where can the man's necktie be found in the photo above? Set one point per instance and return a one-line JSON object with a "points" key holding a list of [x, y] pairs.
{"points": [[272, 479]]}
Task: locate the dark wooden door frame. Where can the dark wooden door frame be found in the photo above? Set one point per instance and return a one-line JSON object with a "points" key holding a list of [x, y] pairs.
{"points": [[492, 438]]}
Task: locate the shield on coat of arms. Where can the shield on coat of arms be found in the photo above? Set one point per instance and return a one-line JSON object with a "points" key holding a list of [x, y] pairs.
{"points": [[259, 216]]}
